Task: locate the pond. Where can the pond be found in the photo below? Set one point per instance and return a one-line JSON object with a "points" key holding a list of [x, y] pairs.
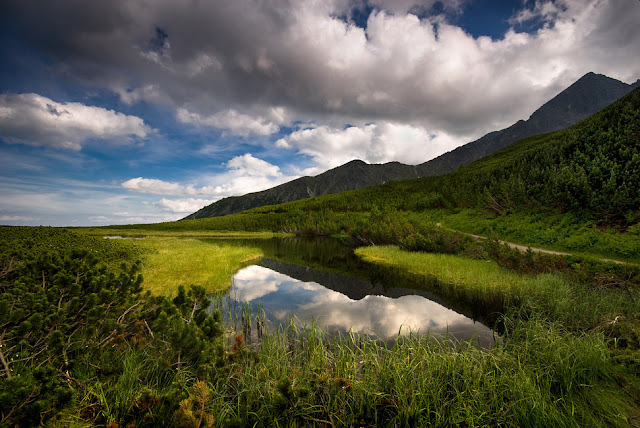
{"points": [[321, 282]]}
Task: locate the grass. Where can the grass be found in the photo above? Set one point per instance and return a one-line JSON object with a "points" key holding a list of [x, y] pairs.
{"points": [[479, 282], [542, 376], [559, 363], [170, 262], [476, 279], [174, 258], [559, 232]]}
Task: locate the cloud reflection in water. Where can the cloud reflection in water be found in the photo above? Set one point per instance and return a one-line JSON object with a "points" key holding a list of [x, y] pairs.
{"points": [[282, 297]]}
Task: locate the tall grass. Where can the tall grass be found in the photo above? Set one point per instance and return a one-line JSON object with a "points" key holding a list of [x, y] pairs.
{"points": [[542, 376]]}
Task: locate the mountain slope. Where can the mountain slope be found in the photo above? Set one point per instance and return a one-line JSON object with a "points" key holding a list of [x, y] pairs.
{"points": [[586, 96], [591, 168], [350, 176]]}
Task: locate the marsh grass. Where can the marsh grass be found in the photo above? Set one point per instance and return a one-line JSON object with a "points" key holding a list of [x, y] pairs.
{"points": [[170, 262], [542, 376], [484, 282], [476, 279]]}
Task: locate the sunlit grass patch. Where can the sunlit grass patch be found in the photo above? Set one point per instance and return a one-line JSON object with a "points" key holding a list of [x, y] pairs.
{"points": [[482, 282], [171, 262], [477, 277]]}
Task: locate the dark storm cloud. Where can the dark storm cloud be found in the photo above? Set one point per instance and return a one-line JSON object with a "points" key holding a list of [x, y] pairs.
{"points": [[244, 58]]}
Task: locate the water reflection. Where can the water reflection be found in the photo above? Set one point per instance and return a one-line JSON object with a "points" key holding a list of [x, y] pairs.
{"points": [[341, 303]]}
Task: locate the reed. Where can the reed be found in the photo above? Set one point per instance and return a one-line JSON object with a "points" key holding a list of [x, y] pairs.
{"points": [[543, 375]]}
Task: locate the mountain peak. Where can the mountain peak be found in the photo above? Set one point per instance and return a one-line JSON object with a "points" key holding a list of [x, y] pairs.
{"points": [[355, 162], [591, 93]]}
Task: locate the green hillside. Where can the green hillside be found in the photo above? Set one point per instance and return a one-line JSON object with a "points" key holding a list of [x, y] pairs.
{"points": [[592, 168]]}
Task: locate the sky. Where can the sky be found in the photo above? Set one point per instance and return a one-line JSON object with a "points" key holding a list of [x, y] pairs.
{"points": [[141, 111]]}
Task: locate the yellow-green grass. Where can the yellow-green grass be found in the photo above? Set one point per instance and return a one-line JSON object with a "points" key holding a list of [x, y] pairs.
{"points": [[476, 280], [485, 276], [140, 233], [171, 262], [484, 282]]}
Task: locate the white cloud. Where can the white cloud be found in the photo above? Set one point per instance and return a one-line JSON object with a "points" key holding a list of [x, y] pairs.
{"points": [[411, 87], [159, 187], [252, 166], [234, 122], [185, 205], [17, 218], [304, 58], [36, 120], [544, 10], [245, 174], [373, 143]]}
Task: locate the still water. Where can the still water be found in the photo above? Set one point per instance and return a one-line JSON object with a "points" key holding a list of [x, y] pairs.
{"points": [[321, 282]]}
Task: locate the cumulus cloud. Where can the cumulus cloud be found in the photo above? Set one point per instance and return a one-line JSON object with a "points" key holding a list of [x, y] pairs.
{"points": [[406, 86], [160, 187], [244, 174], [231, 120], [185, 205], [36, 120], [249, 165], [373, 143]]}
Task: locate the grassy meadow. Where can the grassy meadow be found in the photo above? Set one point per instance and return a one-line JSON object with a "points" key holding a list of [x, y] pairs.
{"points": [[170, 262], [568, 354], [559, 232], [171, 259], [558, 297]]}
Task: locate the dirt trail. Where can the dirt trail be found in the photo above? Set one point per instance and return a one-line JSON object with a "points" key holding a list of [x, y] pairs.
{"points": [[525, 248]]}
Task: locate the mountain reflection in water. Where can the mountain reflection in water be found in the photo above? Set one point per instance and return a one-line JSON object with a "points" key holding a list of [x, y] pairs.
{"points": [[339, 303]]}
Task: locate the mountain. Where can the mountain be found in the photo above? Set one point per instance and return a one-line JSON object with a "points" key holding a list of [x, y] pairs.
{"points": [[591, 169], [350, 176], [588, 95]]}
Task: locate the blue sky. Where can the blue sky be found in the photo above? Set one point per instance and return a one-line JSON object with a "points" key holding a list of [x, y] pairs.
{"points": [[144, 111]]}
